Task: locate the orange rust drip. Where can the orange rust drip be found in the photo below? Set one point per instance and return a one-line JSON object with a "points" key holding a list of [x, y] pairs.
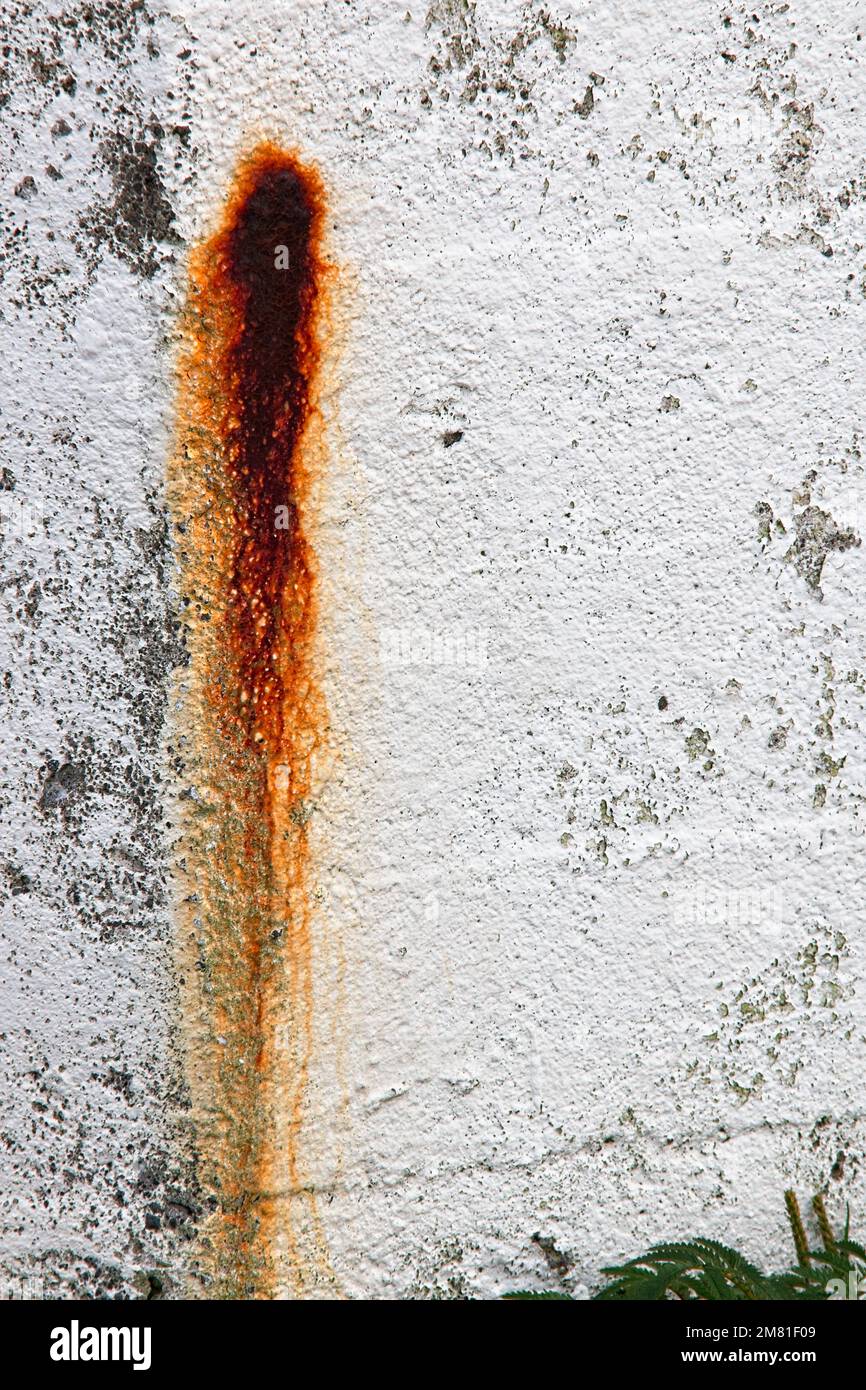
{"points": [[249, 438]]}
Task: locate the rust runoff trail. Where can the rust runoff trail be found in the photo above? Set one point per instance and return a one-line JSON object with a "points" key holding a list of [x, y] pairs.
{"points": [[251, 718]]}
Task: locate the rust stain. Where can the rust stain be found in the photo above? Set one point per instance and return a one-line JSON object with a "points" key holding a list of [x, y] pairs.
{"points": [[251, 721]]}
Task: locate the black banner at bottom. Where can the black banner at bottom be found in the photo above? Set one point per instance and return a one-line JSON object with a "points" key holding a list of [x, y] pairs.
{"points": [[63, 1340]]}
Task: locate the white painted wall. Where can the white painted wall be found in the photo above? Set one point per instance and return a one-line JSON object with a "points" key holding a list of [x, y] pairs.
{"points": [[588, 969]]}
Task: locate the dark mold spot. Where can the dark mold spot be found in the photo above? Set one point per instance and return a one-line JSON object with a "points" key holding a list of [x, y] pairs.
{"points": [[18, 881], [817, 535], [559, 1262], [140, 218], [64, 781], [584, 108]]}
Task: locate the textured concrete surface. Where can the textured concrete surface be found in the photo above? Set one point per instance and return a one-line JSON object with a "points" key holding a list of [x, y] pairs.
{"points": [[589, 952]]}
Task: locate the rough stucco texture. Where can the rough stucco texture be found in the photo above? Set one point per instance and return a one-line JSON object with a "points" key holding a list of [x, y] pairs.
{"points": [[589, 943]]}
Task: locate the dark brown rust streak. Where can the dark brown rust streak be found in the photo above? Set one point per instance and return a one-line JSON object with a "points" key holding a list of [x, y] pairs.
{"points": [[247, 412]]}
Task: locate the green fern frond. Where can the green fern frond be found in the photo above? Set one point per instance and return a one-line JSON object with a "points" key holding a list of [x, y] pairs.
{"points": [[824, 1223], [697, 1268], [707, 1270], [798, 1230]]}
